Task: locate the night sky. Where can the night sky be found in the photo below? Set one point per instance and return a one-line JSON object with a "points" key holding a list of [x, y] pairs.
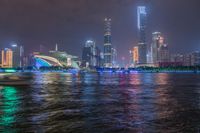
{"points": [[71, 22]]}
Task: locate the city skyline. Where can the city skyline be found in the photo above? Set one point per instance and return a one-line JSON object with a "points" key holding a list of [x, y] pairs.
{"points": [[69, 32]]}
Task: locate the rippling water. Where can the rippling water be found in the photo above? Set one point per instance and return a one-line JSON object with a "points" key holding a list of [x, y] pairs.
{"points": [[93, 103]]}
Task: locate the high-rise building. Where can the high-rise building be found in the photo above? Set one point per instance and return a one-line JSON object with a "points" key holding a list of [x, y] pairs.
{"points": [[98, 57], [114, 57], [163, 53], [107, 44], [101, 59], [159, 50], [142, 46], [142, 50], [7, 58], [156, 36], [149, 57], [18, 53], [131, 62], [90, 54]]}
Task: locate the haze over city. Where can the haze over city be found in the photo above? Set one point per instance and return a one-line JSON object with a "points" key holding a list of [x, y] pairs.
{"points": [[70, 23]]}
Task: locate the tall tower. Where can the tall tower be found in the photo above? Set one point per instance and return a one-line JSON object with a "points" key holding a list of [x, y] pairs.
{"points": [[107, 43], [142, 46]]}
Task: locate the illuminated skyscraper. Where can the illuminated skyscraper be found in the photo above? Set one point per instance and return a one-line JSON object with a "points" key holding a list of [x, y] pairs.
{"points": [[90, 54], [7, 58], [107, 44], [142, 47], [114, 57], [156, 42], [18, 53], [160, 51]]}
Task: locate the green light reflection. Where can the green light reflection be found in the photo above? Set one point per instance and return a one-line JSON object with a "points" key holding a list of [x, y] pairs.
{"points": [[9, 106]]}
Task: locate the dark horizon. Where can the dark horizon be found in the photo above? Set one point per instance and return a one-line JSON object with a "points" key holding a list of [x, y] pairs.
{"points": [[70, 23]]}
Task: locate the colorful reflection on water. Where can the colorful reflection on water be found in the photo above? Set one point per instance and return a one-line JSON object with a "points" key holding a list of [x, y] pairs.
{"points": [[9, 107], [110, 102]]}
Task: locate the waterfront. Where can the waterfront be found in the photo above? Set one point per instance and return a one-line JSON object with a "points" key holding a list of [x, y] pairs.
{"points": [[105, 102]]}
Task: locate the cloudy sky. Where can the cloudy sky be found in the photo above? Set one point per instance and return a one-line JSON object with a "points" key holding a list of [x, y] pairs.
{"points": [[71, 22]]}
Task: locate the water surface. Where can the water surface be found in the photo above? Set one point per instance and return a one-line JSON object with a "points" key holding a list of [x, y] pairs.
{"points": [[110, 103]]}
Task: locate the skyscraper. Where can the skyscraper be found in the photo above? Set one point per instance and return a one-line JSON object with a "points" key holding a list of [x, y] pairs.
{"points": [[156, 42], [159, 50], [142, 46], [114, 57], [7, 58], [131, 62], [18, 53], [163, 53], [107, 44], [89, 58]]}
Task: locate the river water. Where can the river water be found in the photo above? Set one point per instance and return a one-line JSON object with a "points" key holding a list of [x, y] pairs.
{"points": [[101, 103]]}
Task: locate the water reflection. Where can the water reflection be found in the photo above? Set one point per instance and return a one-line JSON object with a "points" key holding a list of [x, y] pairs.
{"points": [[9, 106], [91, 102]]}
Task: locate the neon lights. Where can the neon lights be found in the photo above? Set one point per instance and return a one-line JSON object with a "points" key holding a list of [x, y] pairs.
{"points": [[40, 62], [48, 58], [10, 70]]}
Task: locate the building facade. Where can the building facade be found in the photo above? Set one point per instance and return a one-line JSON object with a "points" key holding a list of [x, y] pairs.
{"points": [[163, 53], [156, 37], [91, 55], [142, 46], [187, 60], [159, 49], [18, 54], [135, 55], [195, 58], [7, 58], [107, 43], [114, 57]]}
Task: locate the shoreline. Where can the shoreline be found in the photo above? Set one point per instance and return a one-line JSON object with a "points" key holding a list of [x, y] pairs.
{"points": [[117, 72]]}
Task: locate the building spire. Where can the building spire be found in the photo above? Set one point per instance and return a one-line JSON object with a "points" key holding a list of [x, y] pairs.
{"points": [[56, 47]]}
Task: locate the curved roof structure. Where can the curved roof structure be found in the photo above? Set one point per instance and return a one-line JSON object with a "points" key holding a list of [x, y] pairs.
{"points": [[46, 61]]}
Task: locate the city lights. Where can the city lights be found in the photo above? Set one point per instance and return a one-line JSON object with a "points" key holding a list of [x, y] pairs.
{"points": [[99, 66]]}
